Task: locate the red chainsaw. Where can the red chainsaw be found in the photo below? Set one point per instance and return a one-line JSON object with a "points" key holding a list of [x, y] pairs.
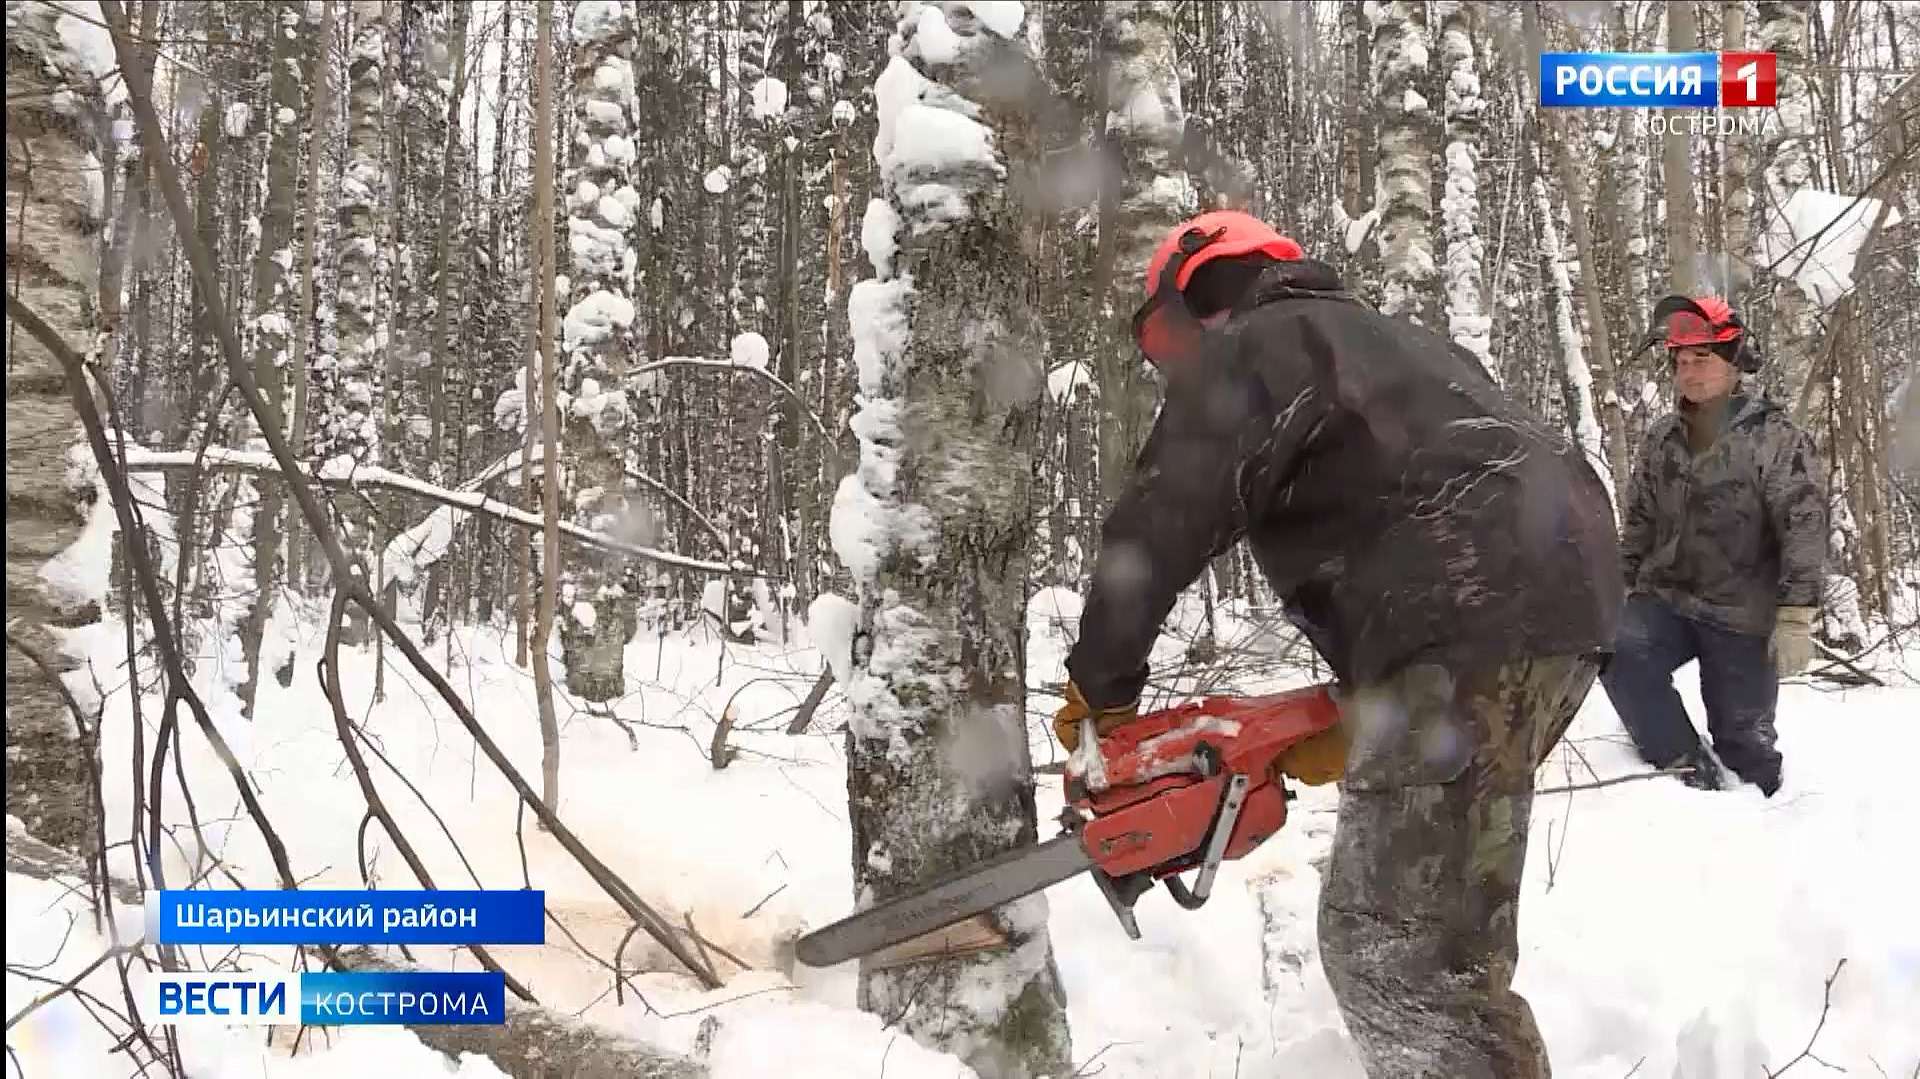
{"points": [[1179, 789]]}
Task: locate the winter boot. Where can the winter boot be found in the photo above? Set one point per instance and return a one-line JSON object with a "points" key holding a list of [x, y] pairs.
{"points": [[1704, 773]]}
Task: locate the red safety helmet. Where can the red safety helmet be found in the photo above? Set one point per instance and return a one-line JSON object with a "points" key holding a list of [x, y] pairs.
{"points": [[1219, 234], [1164, 327], [1704, 322]]}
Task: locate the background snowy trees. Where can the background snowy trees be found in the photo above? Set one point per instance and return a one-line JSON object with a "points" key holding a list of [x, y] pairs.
{"points": [[363, 170]]}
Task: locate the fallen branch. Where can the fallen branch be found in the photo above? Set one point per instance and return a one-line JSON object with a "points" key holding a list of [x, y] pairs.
{"points": [[376, 807], [1826, 1004], [1615, 781], [804, 717], [641, 372], [71, 984], [335, 474]]}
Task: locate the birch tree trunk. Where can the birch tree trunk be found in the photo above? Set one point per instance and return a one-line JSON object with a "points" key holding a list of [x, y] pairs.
{"points": [[1144, 193], [1737, 176], [273, 321], [1402, 188], [1790, 167], [319, 45], [602, 206], [1632, 146], [53, 223], [1578, 378], [935, 528], [446, 295], [1574, 183], [545, 300], [1683, 253], [351, 383], [1467, 321]]}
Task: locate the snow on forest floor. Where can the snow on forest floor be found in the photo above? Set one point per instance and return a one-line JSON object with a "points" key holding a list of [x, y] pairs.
{"points": [[1684, 932]]}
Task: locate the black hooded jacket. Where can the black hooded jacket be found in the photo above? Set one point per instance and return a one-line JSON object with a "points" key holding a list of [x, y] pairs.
{"points": [[1398, 502]]}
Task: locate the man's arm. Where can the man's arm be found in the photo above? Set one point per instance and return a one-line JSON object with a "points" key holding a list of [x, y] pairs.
{"points": [[1181, 509], [1793, 484], [1638, 526]]}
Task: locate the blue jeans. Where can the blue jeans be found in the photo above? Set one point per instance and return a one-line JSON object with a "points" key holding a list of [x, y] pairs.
{"points": [[1737, 682]]}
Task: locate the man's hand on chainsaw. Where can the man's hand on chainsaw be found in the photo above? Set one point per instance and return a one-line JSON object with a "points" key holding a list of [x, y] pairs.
{"points": [[1066, 722]]}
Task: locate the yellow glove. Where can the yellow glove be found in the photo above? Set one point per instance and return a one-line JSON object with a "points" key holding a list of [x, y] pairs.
{"points": [[1321, 758], [1792, 640], [1066, 722]]}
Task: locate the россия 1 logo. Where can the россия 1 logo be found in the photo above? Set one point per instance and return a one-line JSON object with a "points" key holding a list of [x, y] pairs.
{"points": [[1658, 80]]}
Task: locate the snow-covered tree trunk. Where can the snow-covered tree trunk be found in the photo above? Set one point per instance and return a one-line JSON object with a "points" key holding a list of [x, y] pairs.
{"points": [[54, 207], [1467, 321], [1573, 182], [1738, 258], [350, 385], [1402, 188], [1683, 246], [273, 312], [319, 49], [1578, 378], [596, 609], [443, 369], [936, 523], [1782, 30], [1145, 192]]}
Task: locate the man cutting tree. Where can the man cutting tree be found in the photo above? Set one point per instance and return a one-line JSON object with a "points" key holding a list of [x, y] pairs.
{"points": [[1455, 564]]}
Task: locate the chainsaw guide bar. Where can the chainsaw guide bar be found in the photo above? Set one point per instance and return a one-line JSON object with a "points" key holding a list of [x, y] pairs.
{"points": [[1179, 789]]}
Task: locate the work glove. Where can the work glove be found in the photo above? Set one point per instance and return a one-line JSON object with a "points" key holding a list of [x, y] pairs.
{"points": [[1321, 758], [1066, 722], [1792, 640]]}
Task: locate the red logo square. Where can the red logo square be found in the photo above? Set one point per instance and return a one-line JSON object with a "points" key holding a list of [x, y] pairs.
{"points": [[1747, 79]]}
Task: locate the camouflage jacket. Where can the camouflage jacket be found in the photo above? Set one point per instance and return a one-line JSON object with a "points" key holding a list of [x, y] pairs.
{"points": [[1736, 531]]}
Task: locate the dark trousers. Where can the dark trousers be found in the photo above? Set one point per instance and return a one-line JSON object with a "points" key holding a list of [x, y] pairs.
{"points": [[1737, 682], [1420, 909]]}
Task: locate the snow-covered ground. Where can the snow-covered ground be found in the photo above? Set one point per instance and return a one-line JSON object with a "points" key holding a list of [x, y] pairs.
{"points": [[1680, 932]]}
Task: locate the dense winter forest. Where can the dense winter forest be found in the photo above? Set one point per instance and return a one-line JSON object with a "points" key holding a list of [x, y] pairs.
{"points": [[346, 337]]}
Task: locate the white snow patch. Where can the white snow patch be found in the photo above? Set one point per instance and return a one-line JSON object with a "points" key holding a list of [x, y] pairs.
{"points": [[1002, 18], [843, 112], [594, 319], [750, 350], [769, 99], [584, 614], [1358, 228], [1064, 380], [933, 39], [239, 118], [717, 180], [936, 140], [880, 235], [596, 19], [614, 212], [1816, 239], [831, 621]]}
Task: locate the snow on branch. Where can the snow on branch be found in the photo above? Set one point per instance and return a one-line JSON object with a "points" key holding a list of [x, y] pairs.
{"points": [[342, 472], [428, 542], [643, 373]]}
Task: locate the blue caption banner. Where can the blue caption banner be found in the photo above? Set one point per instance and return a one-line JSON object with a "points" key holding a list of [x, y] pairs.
{"points": [[364, 998], [1641, 80], [347, 917]]}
